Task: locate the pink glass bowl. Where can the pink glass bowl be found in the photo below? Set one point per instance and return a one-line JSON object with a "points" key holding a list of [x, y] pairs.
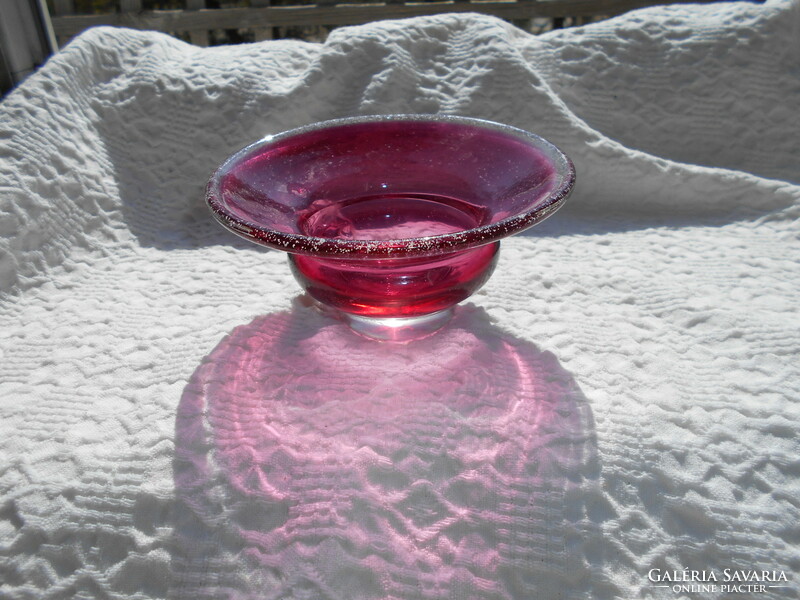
{"points": [[391, 220]]}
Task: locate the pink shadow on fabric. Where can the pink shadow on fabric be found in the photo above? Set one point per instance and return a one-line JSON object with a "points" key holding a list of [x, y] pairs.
{"points": [[312, 463]]}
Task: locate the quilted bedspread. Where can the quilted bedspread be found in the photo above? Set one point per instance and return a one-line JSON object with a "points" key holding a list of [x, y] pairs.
{"points": [[618, 408]]}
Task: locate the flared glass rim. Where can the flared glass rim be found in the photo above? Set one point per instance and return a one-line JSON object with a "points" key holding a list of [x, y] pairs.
{"points": [[297, 243]]}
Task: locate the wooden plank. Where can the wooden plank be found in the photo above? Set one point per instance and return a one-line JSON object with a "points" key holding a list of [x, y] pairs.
{"points": [[524, 24], [261, 33], [47, 26], [199, 37], [130, 6], [343, 14], [61, 8]]}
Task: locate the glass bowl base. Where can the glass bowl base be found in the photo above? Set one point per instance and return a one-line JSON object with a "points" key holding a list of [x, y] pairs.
{"points": [[398, 329]]}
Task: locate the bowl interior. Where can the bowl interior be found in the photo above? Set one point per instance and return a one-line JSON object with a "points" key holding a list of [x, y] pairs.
{"points": [[378, 184]]}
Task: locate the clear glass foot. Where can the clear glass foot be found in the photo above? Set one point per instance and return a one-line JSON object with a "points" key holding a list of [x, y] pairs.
{"points": [[403, 329]]}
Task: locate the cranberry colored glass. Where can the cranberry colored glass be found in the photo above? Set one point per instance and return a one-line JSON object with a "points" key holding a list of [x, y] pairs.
{"points": [[391, 220]]}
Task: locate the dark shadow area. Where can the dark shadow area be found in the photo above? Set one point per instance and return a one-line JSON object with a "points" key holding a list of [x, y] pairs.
{"points": [[313, 463]]}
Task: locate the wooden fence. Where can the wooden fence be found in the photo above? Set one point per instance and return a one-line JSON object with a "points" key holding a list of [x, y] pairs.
{"points": [[261, 18]]}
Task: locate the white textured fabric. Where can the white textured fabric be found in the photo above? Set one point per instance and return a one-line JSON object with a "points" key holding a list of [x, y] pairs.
{"points": [[622, 396]]}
